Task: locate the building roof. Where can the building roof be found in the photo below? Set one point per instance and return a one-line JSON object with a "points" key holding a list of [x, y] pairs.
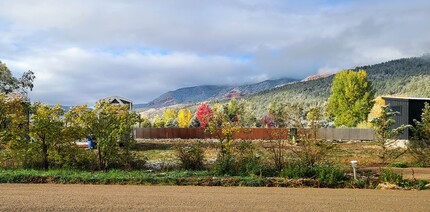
{"points": [[406, 98], [111, 98]]}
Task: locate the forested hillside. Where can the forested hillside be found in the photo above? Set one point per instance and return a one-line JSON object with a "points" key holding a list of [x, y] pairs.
{"points": [[403, 77], [201, 93]]}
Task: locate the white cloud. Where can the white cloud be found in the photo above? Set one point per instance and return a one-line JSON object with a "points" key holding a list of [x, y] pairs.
{"points": [[85, 50], [77, 76]]}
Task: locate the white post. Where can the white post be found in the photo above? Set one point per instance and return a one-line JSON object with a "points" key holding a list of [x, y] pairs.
{"points": [[354, 166]]}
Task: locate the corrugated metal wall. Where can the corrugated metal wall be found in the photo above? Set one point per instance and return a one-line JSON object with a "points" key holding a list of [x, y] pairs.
{"points": [[401, 106]]}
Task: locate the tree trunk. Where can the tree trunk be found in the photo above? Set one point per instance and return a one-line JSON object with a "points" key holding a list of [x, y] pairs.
{"points": [[45, 156], [101, 164]]}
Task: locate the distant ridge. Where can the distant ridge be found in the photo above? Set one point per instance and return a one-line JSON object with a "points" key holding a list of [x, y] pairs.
{"points": [[210, 92], [402, 77]]}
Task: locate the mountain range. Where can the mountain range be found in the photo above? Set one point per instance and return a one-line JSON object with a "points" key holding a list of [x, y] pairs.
{"points": [[401, 77], [212, 92]]}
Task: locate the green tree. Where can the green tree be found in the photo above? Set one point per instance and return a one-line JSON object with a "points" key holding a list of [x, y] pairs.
{"points": [[111, 126], [194, 122], [247, 115], [278, 113], [351, 98], [10, 84], [171, 123], [314, 118], [14, 137], [386, 136], [46, 128], [158, 122]]}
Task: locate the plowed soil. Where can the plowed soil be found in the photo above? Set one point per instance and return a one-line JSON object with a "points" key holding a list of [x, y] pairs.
{"points": [[56, 197]]}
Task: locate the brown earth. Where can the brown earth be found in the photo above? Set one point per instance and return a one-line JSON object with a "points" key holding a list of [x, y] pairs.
{"points": [[57, 197]]}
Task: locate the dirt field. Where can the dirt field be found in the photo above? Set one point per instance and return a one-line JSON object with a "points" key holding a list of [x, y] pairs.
{"points": [[54, 197]]}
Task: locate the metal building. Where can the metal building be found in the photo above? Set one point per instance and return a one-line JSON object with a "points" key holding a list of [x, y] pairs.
{"points": [[409, 109]]}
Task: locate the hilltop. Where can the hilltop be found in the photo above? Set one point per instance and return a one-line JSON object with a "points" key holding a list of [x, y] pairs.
{"points": [[202, 93]]}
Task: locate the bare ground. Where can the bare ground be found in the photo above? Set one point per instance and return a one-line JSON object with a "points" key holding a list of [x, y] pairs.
{"points": [[57, 197]]}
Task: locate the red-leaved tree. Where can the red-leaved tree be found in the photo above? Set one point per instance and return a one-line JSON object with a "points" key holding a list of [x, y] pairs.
{"points": [[204, 114]]}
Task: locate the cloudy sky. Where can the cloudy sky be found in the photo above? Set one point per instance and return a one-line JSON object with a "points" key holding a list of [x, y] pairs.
{"points": [[84, 50]]}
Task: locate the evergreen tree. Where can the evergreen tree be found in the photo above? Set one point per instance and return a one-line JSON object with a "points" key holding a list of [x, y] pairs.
{"points": [[419, 146]]}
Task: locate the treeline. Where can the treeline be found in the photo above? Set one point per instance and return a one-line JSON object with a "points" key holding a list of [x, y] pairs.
{"points": [[241, 111]]}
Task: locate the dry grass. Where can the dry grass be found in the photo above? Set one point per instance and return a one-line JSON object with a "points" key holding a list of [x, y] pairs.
{"points": [[363, 152]]}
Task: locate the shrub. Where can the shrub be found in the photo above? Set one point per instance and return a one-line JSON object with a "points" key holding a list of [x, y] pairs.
{"points": [[399, 165], [388, 175], [191, 156], [328, 175], [238, 158], [296, 170]]}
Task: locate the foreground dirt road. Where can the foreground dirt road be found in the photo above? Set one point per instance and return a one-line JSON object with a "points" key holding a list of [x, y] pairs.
{"points": [[53, 197]]}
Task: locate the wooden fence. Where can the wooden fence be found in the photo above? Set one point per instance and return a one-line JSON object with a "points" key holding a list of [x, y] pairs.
{"points": [[256, 133]]}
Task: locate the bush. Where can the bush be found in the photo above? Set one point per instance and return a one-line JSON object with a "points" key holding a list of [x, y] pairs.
{"points": [[327, 175], [388, 175], [399, 165], [238, 158], [416, 184], [359, 183], [296, 170], [191, 156]]}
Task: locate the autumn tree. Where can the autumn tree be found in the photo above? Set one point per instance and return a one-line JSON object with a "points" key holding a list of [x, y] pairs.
{"points": [[204, 114], [377, 109], [158, 122], [169, 114], [351, 98], [144, 122], [46, 128], [184, 118]]}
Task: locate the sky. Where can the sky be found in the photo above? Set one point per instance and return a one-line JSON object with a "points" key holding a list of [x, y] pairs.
{"points": [[82, 51]]}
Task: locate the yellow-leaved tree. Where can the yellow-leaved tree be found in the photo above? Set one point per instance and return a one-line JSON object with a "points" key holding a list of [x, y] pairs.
{"points": [[169, 114], [184, 117], [377, 109]]}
